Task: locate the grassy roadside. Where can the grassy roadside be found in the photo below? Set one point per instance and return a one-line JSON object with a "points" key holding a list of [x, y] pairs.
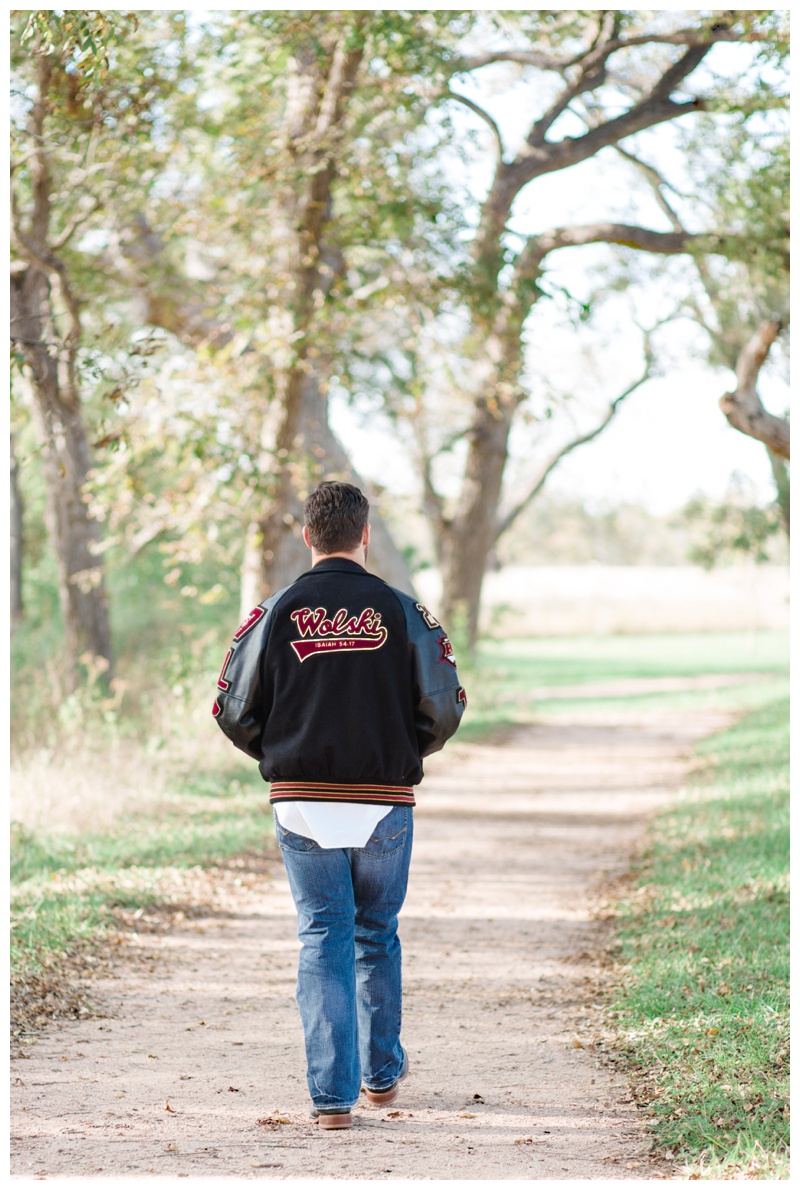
{"points": [[700, 1018], [513, 680], [73, 895]]}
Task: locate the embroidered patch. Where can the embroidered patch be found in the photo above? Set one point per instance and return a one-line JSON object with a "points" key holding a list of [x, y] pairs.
{"points": [[447, 650], [462, 695], [428, 617], [337, 633], [221, 683], [249, 622]]}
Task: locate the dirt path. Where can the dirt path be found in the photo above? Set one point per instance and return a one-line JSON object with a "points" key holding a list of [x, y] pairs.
{"points": [[197, 1068]]}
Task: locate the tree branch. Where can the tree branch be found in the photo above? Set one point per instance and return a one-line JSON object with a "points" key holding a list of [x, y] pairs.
{"points": [[484, 115], [657, 184], [656, 103], [74, 223], [663, 243], [657, 107], [527, 57], [584, 82], [743, 407], [44, 259], [550, 465], [542, 157], [344, 68], [591, 75], [522, 57]]}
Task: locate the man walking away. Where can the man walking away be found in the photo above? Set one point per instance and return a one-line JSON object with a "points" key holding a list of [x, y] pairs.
{"points": [[339, 685]]}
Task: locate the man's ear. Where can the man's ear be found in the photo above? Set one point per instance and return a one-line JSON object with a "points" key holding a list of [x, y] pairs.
{"points": [[365, 535], [306, 538]]}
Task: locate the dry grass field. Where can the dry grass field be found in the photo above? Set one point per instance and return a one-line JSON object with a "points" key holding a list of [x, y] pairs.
{"points": [[596, 600]]}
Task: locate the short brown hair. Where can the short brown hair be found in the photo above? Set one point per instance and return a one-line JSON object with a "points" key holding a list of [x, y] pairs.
{"points": [[336, 514]]}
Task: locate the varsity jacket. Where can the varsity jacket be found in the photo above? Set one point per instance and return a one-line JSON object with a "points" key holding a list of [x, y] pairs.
{"points": [[339, 685]]}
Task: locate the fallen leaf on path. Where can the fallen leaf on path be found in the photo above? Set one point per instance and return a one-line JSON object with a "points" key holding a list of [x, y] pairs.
{"points": [[479, 1098], [273, 1121], [233, 1088], [467, 1115], [167, 1106]]}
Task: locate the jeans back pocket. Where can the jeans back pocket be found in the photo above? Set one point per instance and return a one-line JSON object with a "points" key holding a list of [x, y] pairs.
{"points": [[390, 834], [289, 841]]}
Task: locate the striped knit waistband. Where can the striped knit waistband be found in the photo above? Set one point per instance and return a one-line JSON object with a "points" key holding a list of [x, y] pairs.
{"points": [[325, 791]]}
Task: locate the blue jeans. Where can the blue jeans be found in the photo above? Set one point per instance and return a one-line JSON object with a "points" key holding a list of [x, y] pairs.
{"points": [[349, 974]]}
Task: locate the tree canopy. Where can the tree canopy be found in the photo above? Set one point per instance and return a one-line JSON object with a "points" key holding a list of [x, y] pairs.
{"points": [[222, 219]]}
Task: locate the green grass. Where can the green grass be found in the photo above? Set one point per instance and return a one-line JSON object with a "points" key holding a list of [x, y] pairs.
{"points": [[66, 887], [506, 679], [702, 1015]]}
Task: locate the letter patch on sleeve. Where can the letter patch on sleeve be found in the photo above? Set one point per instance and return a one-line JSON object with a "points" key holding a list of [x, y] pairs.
{"points": [[221, 683], [428, 617], [249, 622], [447, 651]]}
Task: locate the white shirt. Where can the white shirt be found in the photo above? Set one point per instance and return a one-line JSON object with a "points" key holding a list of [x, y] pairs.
{"points": [[345, 824]]}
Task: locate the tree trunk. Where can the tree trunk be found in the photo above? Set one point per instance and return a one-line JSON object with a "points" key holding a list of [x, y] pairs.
{"points": [[65, 452], [303, 449], [16, 540], [498, 306], [50, 355], [468, 539], [287, 557]]}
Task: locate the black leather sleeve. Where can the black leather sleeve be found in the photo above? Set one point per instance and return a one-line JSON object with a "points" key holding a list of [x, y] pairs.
{"points": [[439, 697], [240, 708]]}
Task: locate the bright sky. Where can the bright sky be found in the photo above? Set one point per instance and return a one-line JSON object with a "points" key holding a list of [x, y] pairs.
{"points": [[669, 440]]}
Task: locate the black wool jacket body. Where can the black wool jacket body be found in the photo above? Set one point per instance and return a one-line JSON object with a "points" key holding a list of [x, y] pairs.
{"points": [[339, 685]]}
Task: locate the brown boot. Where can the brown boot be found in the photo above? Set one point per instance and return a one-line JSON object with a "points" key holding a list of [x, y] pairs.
{"points": [[332, 1119], [384, 1098]]}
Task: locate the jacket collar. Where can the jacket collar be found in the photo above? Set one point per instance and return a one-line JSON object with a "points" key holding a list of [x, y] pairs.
{"points": [[336, 564]]}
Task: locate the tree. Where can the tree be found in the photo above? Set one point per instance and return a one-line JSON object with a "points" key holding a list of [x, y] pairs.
{"points": [[743, 305], [87, 91], [616, 75], [271, 188], [47, 329], [275, 186]]}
